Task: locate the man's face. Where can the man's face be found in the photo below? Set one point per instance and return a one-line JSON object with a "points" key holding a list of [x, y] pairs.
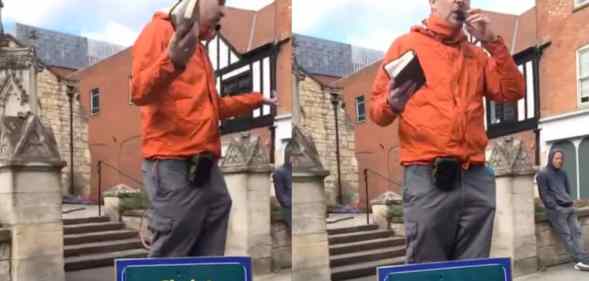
{"points": [[557, 160], [211, 12], [449, 10]]}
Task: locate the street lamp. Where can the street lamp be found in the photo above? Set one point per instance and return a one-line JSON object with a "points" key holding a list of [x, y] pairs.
{"points": [[335, 99]]}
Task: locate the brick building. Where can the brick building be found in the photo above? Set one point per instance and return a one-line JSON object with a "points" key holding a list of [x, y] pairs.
{"points": [[252, 53], [317, 102], [564, 86]]}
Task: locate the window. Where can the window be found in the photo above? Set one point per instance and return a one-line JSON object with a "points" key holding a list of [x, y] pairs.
{"points": [[579, 3], [503, 113], [583, 75], [360, 109], [512, 117], [95, 101], [236, 85]]}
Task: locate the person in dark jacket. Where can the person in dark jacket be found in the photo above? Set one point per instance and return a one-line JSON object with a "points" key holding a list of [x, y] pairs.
{"points": [[283, 188], [555, 192]]}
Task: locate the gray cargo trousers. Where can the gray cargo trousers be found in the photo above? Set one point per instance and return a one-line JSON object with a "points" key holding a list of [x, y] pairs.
{"points": [[186, 220], [448, 225], [565, 223]]}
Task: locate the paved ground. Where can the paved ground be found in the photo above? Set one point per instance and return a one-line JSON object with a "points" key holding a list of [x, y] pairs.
{"points": [[558, 273], [80, 211], [346, 220]]}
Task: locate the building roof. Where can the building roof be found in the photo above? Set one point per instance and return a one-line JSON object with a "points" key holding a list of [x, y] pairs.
{"points": [[519, 32], [62, 72], [248, 30], [527, 35]]}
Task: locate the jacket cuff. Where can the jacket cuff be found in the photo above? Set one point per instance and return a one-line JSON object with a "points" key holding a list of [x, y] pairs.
{"points": [[496, 47]]}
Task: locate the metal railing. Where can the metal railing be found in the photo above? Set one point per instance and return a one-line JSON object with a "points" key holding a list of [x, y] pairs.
{"points": [[99, 170], [389, 180]]}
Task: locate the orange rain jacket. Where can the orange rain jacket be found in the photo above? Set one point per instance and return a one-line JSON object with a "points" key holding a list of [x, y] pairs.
{"points": [[446, 116], [180, 110]]}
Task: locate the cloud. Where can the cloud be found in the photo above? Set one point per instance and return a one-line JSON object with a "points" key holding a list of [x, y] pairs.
{"points": [[515, 7], [105, 20], [115, 33], [22, 11], [365, 23], [374, 24], [249, 4]]}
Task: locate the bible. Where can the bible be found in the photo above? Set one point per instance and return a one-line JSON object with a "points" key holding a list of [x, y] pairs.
{"points": [[185, 12], [406, 68]]}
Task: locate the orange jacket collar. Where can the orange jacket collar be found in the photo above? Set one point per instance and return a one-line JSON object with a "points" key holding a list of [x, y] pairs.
{"points": [[439, 29]]}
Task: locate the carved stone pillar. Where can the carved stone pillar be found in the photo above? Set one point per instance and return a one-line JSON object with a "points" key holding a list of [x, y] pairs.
{"points": [[310, 245], [30, 198], [514, 232], [247, 173], [18, 81]]}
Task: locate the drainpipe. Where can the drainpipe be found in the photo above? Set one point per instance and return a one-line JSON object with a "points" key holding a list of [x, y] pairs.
{"points": [[70, 94], [335, 103]]}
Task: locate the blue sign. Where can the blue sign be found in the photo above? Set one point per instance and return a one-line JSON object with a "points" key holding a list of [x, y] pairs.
{"points": [[184, 269], [466, 270]]}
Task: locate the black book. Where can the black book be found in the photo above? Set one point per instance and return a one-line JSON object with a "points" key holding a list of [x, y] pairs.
{"points": [[406, 68]]}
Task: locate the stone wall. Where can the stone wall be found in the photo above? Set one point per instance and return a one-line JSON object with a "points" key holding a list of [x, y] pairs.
{"points": [[550, 249], [316, 120], [5, 254], [55, 113], [281, 242]]}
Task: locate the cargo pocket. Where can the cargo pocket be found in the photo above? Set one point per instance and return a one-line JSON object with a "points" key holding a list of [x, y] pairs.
{"points": [[411, 240], [160, 225]]}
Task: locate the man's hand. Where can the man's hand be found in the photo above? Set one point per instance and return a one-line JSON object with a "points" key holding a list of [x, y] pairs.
{"points": [[398, 97], [477, 24], [273, 101], [183, 43]]}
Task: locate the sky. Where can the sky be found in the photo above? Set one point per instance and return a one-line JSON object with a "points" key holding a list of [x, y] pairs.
{"points": [[375, 23], [104, 20], [366, 23]]}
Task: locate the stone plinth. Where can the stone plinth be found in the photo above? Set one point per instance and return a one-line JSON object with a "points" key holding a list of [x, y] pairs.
{"points": [[514, 231], [30, 198], [310, 245], [5, 240], [247, 173]]}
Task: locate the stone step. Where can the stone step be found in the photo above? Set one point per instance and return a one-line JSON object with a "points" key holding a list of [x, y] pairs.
{"points": [[85, 220], [74, 239], [367, 245], [359, 236], [342, 230], [92, 227], [367, 256], [102, 247], [362, 269], [100, 260]]}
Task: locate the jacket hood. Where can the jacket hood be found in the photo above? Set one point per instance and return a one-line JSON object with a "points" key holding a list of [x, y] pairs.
{"points": [[551, 157], [442, 31]]}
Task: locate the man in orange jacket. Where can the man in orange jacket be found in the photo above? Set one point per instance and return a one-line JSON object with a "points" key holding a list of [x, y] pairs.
{"points": [[449, 194], [174, 85]]}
